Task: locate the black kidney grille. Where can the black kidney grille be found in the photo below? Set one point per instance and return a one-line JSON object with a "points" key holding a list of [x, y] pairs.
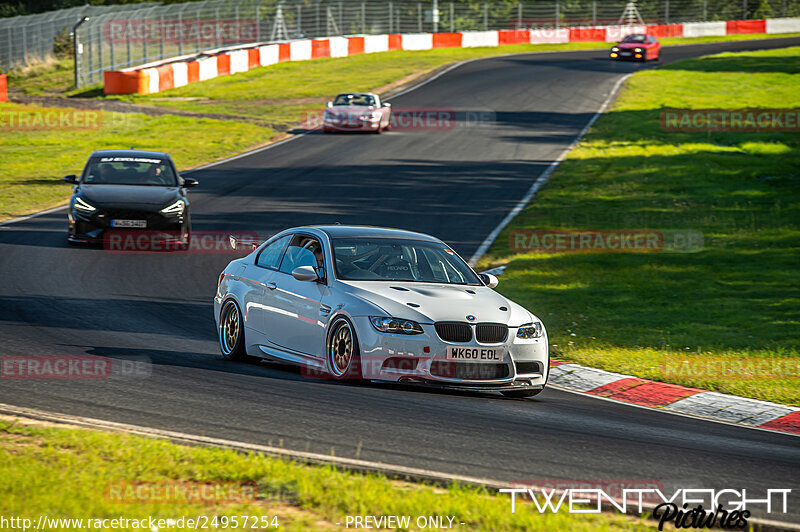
{"points": [[454, 331], [468, 371], [491, 333]]}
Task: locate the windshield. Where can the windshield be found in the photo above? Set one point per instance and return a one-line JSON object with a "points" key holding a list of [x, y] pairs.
{"points": [[354, 99], [634, 38], [389, 259], [129, 171]]}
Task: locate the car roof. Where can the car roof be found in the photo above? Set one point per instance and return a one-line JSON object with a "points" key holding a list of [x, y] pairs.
{"points": [[130, 153], [367, 231], [358, 93]]}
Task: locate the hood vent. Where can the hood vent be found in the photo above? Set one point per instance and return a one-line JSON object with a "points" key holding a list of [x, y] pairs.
{"points": [[412, 305], [400, 288]]}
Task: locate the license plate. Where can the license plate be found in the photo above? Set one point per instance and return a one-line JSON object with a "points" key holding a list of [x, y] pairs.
{"points": [[625, 53], [129, 223], [475, 354]]}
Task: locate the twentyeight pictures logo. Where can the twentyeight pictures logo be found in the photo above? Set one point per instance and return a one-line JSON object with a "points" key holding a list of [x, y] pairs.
{"points": [[681, 508]]}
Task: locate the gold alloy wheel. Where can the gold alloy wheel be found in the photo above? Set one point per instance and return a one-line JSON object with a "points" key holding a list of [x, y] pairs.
{"points": [[340, 350]]}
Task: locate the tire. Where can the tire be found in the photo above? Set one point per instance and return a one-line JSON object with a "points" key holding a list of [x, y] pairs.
{"points": [[522, 394], [231, 332], [342, 351]]}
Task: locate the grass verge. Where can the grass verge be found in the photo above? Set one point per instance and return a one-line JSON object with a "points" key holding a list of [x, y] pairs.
{"points": [[735, 300], [81, 474]]}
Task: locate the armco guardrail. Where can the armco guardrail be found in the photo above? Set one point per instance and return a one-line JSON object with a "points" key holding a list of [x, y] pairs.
{"points": [[173, 73]]}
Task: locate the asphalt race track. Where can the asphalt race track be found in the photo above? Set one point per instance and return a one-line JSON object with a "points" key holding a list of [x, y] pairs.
{"points": [[456, 184]]}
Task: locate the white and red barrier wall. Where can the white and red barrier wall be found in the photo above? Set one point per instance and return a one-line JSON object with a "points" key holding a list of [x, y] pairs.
{"points": [[173, 73]]}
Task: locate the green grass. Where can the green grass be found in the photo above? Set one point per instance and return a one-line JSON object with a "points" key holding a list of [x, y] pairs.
{"points": [[68, 473], [737, 298]]}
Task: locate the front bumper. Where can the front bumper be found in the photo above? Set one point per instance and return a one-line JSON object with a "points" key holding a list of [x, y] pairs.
{"points": [[356, 124], [628, 55], [404, 358]]}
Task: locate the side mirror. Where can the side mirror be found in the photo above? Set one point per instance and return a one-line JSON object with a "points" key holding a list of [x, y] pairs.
{"points": [[72, 178], [305, 273], [489, 280], [329, 104], [189, 182], [387, 104]]}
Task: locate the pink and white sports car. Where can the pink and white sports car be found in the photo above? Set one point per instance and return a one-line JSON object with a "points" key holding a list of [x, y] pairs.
{"points": [[357, 111]]}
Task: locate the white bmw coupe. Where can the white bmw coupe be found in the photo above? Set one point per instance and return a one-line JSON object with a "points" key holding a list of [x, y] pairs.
{"points": [[354, 302]]}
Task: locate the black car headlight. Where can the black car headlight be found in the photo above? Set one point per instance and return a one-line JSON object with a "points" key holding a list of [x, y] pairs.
{"points": [[81, 205], [530, 331], [395, 325], [615, 49], [638, 50]]}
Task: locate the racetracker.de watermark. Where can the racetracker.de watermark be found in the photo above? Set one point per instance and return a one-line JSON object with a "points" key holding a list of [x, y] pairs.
{"points": [[50, 119], [730, 120], [177, 30], [151, 241], [181, 492], [73, 367], [731, 368], [606, 241]]}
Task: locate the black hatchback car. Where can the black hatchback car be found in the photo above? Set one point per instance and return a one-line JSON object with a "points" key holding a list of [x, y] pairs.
{"points": [[129, 191]]}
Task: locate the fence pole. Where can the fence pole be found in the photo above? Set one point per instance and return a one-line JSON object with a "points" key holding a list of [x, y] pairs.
{"points": [[99, 33], [363, 18], [111, 63], [390, 17], [744, 9], [76, 51], [557, 14], [419, 17], [299, 18], [594, 12], [161, 43], [666, 11], [705, 12], [519, 15], [485, 16]]}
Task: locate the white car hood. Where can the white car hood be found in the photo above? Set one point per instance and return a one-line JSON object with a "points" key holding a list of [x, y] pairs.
{"points": [[439, 302]]}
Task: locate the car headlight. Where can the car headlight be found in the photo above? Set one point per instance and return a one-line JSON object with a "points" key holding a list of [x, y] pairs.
{"points": [[371, 116], [175, 208], [637, 50], [615, 49], [530, 330], [395, 325], [81, 205]]}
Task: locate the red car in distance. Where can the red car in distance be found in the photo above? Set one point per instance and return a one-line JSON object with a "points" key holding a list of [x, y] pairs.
{"points": [[636, 47]]}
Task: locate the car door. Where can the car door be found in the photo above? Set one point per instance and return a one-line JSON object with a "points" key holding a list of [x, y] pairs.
{"points": [[259, 277], [299, 315]]}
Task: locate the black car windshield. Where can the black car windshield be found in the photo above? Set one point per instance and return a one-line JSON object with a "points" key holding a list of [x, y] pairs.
{"points": [[129, 171], [354, 99], [634, 38], [389, 259]]}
